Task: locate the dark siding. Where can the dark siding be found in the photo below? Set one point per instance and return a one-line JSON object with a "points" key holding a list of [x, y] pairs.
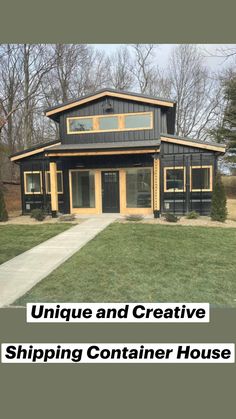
{"points": [[119, 106], [29, 202], [182, 202]]}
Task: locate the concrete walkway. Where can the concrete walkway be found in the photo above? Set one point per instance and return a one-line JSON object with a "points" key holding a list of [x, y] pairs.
{"points": [[20, 274]]}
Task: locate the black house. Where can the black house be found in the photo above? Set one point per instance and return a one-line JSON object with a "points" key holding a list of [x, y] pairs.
{"points": [[118, 152]]}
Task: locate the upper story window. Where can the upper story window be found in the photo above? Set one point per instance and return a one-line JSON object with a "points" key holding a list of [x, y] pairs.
{"points": [[102, 123]]}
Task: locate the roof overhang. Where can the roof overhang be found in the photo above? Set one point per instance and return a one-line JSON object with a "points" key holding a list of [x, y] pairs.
{"points": [[100, 153], [28, 153], [220, 148], [120, 95]]}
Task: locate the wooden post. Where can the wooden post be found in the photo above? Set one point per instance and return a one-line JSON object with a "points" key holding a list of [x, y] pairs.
{"points": [[156, 187], [53, 182]]}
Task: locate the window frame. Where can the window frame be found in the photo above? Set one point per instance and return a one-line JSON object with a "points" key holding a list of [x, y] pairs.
{"points": [[137, 209], [121, 123], [165, 178], [46, 182], [81, 210], [25, 183], [209, 166]]}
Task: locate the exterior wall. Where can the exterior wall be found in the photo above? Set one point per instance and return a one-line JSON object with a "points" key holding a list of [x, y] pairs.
{"points": [[119, 106], [173, 155], [32, 201]]}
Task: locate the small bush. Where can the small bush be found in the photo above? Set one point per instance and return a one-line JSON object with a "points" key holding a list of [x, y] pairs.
{"points": [[218, 203], [171, 218], [134, 217], [3, 210], [193, 215], [37, 214]]}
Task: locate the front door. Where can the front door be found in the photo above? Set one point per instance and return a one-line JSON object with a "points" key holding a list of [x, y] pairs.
{"points": [[110, 191]]}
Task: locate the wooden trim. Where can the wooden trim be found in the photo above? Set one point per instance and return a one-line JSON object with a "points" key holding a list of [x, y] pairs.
{"points": [[53, 180], [123, 204], [31, 173], [193, 144], [101, 153], [98, 193], [156, 184], [211, 178], [46, 181], [95, 122], [31, 153], [110, 94], [174, 168]]}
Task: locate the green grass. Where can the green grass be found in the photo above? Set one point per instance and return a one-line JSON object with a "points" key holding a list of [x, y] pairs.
{"points": [[16, 239], [147, 263]]}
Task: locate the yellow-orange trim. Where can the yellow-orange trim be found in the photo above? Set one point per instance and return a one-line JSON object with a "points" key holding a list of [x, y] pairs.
{"points": [[156, 184], [193, 144], [111, 94], [101, 153], [165, 178], [53, 180], [32, 173], [31, 153], [211, 178], [120, 118], [46, 181]]}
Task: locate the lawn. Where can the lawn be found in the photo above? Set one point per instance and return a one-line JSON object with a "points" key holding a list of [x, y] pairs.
{"points": [[16, 239], [147, 263]]}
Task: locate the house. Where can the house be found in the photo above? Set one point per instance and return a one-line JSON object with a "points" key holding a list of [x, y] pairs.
{"points": [[118, 152]]}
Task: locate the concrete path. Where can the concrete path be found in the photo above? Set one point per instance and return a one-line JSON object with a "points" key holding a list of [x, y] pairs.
{"points": [[20, 274]]}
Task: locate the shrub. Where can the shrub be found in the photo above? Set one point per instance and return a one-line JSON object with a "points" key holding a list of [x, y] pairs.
{"points": [[134, 217], [37, 214], [171, 218], [3, 210], [218, 203], [193, 215]]}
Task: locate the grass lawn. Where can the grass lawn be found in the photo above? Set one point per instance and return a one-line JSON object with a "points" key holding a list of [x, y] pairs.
{"points": [[146, 263], [16, 239]]}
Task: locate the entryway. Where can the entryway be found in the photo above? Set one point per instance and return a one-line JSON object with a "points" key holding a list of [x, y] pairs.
{"points": [[110, 192]]}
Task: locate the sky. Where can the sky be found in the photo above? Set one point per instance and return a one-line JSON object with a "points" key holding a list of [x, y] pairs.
{"points": [[209, 52]]}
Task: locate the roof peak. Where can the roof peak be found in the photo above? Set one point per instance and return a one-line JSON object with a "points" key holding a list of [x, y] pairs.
{"points": [[140, 97]]}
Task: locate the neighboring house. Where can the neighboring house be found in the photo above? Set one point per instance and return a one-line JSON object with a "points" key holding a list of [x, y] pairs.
{"points": [[118, 152]]}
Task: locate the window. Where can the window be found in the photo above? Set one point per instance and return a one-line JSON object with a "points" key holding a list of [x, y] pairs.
{"points": [[138, 188], [138, 121], [80, 125], [108, 123], [174, 179], [59, 183], [201, 178], [33, 182], [83, 189], [102, 123]]}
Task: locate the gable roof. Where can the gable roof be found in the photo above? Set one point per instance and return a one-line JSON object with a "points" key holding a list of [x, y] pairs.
{"points": [[193, 143], [138, 97]]}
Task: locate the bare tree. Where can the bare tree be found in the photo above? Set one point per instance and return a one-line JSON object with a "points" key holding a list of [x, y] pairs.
{"points": [[196, 91], [120, 69]]}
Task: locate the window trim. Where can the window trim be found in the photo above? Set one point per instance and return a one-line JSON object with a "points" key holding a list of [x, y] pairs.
{"points": [[165, 178], [25, 184], [135, 210], [46, 182], [97, 180], [121, 123], [211, 178]]}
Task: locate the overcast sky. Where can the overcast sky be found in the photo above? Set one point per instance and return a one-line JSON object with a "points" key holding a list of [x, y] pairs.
{"points": [[213, 62]]}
